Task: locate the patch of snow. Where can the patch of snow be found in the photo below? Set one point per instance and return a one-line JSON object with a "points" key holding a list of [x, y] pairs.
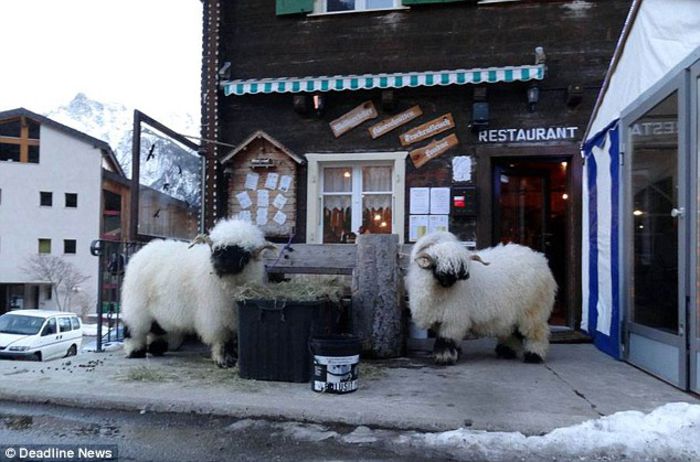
{"points": [[361, 434], [306, 432], [90, 329]]}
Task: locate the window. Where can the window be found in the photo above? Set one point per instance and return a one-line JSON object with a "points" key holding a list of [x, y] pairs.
{"points": [[19, 140], [337, 6], [69, 246], [64, 324], [75, 322], [49, 292], [71, 200], [50, 327], [46, 198], [346, 198], [44, 245]]}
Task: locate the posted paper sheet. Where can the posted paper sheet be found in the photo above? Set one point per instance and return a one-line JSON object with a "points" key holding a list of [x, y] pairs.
{"points": [[263, 198], [420, 201], [279, 201], [285, 183], [244, 199], [271, 180], [417, 227], [261, 216], [251, 180], [439, 201], [438, 223]]}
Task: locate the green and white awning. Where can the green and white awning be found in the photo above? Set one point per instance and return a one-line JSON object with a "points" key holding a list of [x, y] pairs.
{"points": [[381, 81]]}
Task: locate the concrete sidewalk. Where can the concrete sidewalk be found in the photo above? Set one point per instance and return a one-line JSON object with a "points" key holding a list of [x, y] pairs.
{"points": [[577, 383]]}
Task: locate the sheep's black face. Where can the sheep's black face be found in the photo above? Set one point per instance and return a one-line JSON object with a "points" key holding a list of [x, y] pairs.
{"points": [[230, 259], [448, 278]]}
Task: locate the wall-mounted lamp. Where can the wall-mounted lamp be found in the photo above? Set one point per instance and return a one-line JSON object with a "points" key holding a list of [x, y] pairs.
{"points": [[301, 104], [319, 104], [388, 100], [533, 97], [574, 94], [480, 110]]}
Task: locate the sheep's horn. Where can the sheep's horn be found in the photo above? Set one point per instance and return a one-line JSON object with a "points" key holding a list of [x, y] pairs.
{"points": [[478, 258], [201, 239], [267, 246]]}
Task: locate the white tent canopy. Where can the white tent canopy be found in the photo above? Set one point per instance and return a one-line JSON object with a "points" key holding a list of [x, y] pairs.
{"points": [[658, 36]]}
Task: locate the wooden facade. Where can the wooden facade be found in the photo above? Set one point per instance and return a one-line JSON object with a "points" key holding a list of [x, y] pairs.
{"points": [[251, 41]]}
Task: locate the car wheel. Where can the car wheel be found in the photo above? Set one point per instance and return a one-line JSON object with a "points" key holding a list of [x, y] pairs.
{"points": [[72, 351], [37, 355]]}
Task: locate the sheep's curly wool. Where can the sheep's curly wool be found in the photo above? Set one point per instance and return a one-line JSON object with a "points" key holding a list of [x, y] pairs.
{"points": [[175, 288], [511, 298]]}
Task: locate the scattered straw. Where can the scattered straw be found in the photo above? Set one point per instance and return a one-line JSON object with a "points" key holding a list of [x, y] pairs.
{"points": [[300, 291]]}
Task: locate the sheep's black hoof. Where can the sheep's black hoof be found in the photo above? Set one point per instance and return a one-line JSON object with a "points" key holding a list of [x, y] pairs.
{"points": [[505, 352], [137, 353], [445, 351], [158, 347], [532, 358], [229, 361]]}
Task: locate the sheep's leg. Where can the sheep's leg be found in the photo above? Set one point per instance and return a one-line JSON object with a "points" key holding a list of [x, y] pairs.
{"points": [[134, 343], [174, 340], [222, 355], [508, 346], [536, 342], [445, 351], [157, 341]]}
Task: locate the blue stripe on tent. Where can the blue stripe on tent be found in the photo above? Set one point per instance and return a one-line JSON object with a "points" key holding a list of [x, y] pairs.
{"points": [[592, 246], [613, 344]]}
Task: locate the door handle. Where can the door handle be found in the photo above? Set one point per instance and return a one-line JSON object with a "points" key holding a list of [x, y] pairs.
{"points": [[677, 212]]}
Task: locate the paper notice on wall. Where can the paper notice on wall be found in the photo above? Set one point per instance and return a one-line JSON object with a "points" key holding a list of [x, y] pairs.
{"points": [[263, 198], [244, 199], [245, 216], [417, 227], [419, 201], [251, 180], [462, 168], [261, 216], [285, 183], [279, 201], [438, 223], [280, 218], [271, 180], [439, 201]]}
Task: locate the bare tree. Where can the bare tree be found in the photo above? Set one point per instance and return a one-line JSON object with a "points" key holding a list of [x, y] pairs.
{"points": [[64, 277]]}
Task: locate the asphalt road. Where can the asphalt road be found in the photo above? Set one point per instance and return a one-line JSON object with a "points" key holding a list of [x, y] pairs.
{"points": [[147, 436]]}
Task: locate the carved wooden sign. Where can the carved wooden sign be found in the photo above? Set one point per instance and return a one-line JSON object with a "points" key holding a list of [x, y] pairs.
{"points": [[387, 125], [438, 147], [352, 119], [428, 129]]}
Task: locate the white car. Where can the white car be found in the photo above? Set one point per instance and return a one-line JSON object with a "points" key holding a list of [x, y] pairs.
{"points": [[39, 334]]}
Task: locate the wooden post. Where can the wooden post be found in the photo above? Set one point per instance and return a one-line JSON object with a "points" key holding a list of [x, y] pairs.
{"points": [[376, 296]]}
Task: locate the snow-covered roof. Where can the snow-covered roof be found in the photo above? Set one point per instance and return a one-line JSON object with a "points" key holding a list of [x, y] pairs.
{"points": [[658, 35]]}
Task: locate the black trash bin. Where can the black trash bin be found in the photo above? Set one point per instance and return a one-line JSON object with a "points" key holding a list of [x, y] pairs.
{"points": [[273, 337]]}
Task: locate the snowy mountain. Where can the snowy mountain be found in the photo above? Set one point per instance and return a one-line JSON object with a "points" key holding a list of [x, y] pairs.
{"points": [[165, 165]]}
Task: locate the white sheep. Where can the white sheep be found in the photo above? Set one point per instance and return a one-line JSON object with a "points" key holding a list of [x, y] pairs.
{"points": [[509, 296], [173, 288]]}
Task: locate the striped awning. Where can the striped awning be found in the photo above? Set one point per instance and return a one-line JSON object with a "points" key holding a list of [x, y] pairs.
{"points": [[372, 81]]}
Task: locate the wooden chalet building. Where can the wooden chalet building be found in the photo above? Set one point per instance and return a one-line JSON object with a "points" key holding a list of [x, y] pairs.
{"points": [[391, 116]]}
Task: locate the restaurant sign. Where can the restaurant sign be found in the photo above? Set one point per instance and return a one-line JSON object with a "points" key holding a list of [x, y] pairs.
{"points": [[352, 119], [438, 147], [517, 135]]}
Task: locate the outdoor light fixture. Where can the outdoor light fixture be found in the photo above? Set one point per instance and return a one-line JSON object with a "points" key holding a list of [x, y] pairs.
{"points": [[565, 196], [388, 101], [301, 104], [574, 94], [480, 110], [347, 174], [319, 104], [533, 97], [637, 213]]}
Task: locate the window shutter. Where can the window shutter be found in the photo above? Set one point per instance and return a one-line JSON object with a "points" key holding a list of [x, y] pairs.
{"points": [[421, 2], [294, 6]]}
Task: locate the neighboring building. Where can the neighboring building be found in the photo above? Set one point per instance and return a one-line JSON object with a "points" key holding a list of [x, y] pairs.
{"points": [[502, 154], [641, 241], [53, 183]]}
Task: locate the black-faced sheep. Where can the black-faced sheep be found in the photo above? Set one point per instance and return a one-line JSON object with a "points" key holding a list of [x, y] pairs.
{"points": [[509, 295], [172, 288]]}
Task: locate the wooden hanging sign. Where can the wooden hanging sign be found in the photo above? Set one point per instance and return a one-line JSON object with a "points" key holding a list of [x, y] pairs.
{"points": [[352, 119], [438, 147], [428, 129], [387, 125]]}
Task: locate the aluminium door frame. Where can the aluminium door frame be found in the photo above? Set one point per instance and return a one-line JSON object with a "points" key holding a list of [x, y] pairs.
{"points": [[693, 310], [677, 82]]}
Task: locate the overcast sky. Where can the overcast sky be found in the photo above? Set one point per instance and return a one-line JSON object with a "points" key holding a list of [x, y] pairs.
{"points": [[145, 54]]}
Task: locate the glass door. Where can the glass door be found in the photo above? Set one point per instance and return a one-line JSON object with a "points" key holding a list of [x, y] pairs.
{"points": [[655, 235]]}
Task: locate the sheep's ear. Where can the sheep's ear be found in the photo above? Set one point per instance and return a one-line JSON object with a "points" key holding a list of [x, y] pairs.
{"points": [[201, 239], [267, 246], [425, 261], [475, 257]]}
